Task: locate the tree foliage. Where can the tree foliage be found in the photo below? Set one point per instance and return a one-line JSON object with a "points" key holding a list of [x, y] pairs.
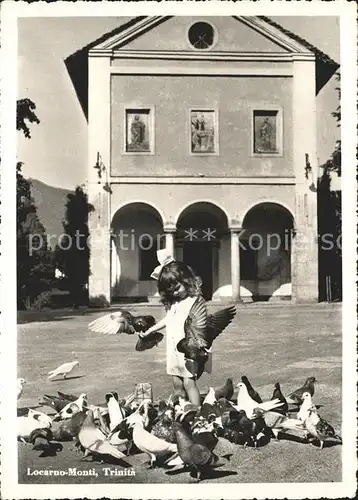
{"points": [[330, 220], [25, 112], [72, 254], [34, 259]]}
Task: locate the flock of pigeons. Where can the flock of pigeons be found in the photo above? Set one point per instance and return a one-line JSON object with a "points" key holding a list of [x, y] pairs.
{"points": [[172, 432]]}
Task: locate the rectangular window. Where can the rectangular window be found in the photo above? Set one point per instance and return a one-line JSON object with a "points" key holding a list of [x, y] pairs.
{"points": [[203, 131], [266, 132], [139, 130]]}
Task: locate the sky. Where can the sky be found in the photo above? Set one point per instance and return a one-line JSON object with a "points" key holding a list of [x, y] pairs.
{"points": [[56, 154]]}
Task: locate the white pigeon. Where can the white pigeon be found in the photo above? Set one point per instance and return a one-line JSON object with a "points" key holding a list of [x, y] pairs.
{"points": [[20, 387], [33, 420], [148, 443], [210, 397], [245, 402], [94, 441], [72, 408], [116, 413], [64, 369], [305, 407]]}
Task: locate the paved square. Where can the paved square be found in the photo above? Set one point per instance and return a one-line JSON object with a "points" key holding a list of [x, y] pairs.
{"points": [[284, 343]]}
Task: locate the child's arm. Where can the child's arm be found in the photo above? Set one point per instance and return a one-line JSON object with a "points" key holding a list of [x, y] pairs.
{"points": [[158, 326]]}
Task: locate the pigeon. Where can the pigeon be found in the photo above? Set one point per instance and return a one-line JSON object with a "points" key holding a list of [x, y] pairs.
{"points": [[226, 391], [121, 321], [64, 369], [149, 341], [40, 438], [210, 398], [67, 397], [307, 405], [94, 441], [66, 430], [163, 428], [20, 387], [252, 393], [73, 407], [280, 423], [54, 402], [33, 420], [147, 442], [320, 428], [116, 413], [245, 402], [252, 429], [196, 456], [201, 330], [277, 394], [295, 397]]}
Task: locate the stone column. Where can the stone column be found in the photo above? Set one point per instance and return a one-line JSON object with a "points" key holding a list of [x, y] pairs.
{"points": [[305, 241], [99, 103], [235, 264], [169, 231]]}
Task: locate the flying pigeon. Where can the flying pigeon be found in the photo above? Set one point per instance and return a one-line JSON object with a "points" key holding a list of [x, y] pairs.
{"points": [[245, 402], [306, 406], [295, 397], [252, 393], [202, 329], [226, 391], [64, 370], [94, 441], [121, 321], [194, 455], [320, 428], [73, 407], [20, 387], [150, 444], [116, 413], [277, 394]]}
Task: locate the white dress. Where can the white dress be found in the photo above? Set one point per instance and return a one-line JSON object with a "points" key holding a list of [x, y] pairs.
{"points": [[175, 319]]}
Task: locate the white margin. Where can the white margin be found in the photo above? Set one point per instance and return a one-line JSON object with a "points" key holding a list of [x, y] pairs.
{"points": [[10, 11]]}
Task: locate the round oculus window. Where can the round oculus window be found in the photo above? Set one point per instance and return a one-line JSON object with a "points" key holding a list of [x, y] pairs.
{"points": [[201, 35]]}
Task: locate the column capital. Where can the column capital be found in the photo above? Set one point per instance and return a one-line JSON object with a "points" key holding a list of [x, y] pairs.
{"points": [[169, 227], [235, 229]]}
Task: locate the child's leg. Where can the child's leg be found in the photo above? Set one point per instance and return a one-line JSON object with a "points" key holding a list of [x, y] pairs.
{"points": [[192, 391], [179, 386]]}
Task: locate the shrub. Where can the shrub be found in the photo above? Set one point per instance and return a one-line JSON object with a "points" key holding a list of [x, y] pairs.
{"points": [[99, 301], [44, 299]]}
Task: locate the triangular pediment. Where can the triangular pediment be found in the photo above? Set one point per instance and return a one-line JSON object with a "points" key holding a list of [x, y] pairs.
{"points": [[232, 34]]}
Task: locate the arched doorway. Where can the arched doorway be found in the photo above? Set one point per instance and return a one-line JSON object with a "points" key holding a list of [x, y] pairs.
{"points": [[265, 251], [137, 233], [201, 228]]}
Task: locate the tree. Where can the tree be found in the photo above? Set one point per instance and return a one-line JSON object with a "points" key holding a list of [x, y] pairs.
{"points": [[330, 222], [72, 252], [34, 260]]}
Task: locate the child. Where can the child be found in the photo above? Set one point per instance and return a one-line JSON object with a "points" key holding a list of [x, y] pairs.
{"points": [[179, 289]]}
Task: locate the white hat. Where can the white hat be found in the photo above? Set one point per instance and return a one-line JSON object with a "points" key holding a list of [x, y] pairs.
{"points": [[164, 258]]}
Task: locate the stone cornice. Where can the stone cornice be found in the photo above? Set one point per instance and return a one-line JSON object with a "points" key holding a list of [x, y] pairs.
{"points": [[203, 180]]}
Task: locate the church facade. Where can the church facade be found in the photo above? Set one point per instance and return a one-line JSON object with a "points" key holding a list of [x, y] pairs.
{"points": [[202, 140]]}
